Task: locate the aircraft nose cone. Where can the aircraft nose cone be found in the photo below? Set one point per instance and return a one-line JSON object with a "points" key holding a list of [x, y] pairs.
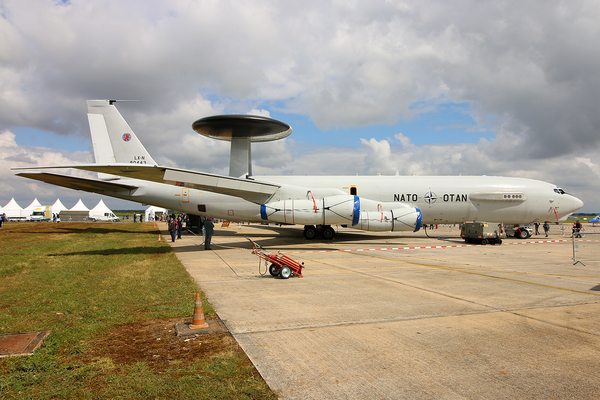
{"points": [[573, 204], [577, 204]]}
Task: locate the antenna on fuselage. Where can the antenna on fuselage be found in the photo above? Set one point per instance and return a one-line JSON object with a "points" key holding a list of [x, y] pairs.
{"points": [[241, 131]]}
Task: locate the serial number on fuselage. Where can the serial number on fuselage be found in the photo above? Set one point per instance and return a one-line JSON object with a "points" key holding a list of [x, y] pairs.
{"points": [[138, 160]]}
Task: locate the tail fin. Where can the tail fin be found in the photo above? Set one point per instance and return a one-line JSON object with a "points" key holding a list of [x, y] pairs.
{"points": [[112, 138]]}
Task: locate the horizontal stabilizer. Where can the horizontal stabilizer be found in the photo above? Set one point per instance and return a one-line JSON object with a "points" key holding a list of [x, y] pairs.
{"points": [[247, 189], [77, 183]]}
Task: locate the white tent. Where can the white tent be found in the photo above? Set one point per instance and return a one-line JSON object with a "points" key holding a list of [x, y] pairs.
{"points": [[102, 213], [152, 211], [79, 207], [12, 209], [58, 206], [29, 209]]}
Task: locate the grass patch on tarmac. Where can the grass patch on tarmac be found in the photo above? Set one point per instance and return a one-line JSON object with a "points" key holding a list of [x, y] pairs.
{"points": [[110, 294]]}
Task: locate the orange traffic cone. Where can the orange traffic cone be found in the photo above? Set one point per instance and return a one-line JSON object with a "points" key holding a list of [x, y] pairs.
{"points": [[198, 322], [159, 238]]}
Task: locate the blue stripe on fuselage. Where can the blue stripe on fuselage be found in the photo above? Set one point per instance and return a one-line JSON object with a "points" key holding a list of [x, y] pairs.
{"points": [[419, 220], [356, 214], [263, 212]]}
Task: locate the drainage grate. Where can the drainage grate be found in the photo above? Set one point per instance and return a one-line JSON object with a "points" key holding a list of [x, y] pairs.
{"points": [[21, 344]]}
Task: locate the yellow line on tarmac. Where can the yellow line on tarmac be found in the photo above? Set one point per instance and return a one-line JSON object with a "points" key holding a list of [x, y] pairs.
{"points": [[523, 273], [490, 276]]}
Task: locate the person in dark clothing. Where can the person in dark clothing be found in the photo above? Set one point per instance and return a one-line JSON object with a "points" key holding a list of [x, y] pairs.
{"points": [[577, 229], [546, 228], [209, 230], [179, 226], [173, 229]]}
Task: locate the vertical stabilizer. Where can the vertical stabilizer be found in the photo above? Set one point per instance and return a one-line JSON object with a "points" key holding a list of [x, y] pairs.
{"points": [[112, 138]]}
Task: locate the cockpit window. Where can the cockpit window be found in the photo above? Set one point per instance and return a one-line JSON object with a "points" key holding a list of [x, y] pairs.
{"points": [[559, 191]]}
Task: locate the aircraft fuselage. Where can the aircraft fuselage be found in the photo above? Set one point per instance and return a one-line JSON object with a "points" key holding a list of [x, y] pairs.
{"points": [[452, 199]]}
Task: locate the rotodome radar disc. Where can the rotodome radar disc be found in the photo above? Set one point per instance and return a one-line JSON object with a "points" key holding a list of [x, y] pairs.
{"points": [[233, 126]]}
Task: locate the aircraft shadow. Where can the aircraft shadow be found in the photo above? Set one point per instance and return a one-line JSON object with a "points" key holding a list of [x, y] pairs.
{"points": [[111, 252], [97, 230], [289, 239]]}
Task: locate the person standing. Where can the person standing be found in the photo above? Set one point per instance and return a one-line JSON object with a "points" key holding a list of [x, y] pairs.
{"points": [[173, 229], [546, 228], [179, 226], [209, 230]]}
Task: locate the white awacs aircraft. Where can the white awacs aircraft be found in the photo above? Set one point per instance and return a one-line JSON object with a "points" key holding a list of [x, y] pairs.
{"points": [[371, 203]]}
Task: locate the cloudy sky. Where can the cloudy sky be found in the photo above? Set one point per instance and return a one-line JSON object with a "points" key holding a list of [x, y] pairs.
{"points": [[418, 87]]}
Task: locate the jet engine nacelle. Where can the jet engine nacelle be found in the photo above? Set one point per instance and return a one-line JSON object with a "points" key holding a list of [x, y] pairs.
{"points": [[331, 210], [401, 219], [363, 214]]}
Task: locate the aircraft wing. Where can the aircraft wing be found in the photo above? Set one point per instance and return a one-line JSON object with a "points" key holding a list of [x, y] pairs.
{"points": [[247, 189], [78, 183]]}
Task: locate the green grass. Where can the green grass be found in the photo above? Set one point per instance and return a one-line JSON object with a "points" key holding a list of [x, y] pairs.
{"points": [[79, 281]]}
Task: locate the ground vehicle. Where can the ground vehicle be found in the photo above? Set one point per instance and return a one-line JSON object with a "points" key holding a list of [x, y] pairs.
{"points": [[40, 214], [519, 231], [105, 217], [482, 232]]}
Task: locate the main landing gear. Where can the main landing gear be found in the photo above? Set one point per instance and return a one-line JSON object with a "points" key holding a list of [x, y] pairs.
{"points": [[311, 232], [522, 233]]}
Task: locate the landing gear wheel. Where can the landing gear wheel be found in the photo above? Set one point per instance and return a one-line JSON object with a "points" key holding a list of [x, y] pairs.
{"points": [[285, 272], [310, 232], [273, 270], [484, 241], [328, 232], [523, 233]]}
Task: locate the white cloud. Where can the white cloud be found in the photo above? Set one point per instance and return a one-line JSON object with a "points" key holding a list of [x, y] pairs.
{"points": [[405, 141], [263, 113], [594, 168]]}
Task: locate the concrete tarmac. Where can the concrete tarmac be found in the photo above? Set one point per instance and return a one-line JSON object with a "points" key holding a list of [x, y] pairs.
{"points": [[419, 318]]}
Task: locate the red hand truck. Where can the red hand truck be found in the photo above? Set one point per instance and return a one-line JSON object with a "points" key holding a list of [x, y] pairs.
{"points": [[281, 265]]}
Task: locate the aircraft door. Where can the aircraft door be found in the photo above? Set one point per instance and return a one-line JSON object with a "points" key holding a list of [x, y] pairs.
{"points": [[185, 195]]}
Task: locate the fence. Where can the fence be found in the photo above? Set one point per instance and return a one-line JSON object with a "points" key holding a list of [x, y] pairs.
{"points": [[586, 246]]}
